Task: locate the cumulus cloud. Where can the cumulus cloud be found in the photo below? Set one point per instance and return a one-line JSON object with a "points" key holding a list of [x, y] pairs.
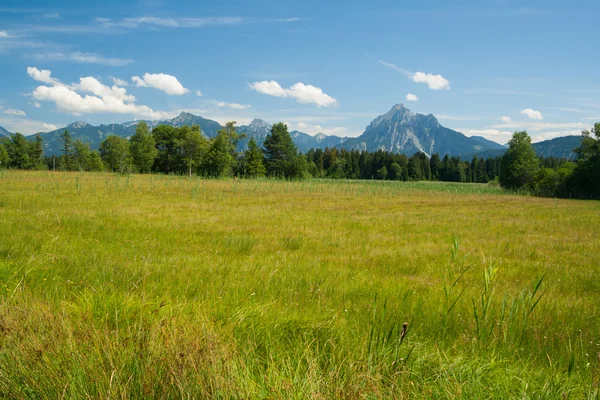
{"points": [[301, 92], [505, 119], [12, 111], [119, 82], [435, 82], [411, 97], [42, 75], [3, 34], [49, 127], [198, 93], [532, 114], [167, 83], [82, 58], [103, 99]]}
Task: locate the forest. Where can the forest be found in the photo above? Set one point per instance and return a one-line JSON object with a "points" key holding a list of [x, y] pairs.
{"points": [[186, 151]]}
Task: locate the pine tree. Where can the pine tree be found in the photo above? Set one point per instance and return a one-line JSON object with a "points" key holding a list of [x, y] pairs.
{"points": [[66, 160], [254, 160], [281, 154], [36, 153]]}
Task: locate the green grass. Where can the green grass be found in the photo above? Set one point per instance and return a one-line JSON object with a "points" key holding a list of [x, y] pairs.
{"points": [[170, 287]]}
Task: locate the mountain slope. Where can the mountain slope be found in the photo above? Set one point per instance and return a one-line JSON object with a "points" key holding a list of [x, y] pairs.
{"points": [[558, 147], [4, 132], [401, 131]]}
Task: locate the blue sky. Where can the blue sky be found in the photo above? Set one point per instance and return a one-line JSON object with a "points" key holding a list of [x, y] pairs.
{"points": [[484, 68]]}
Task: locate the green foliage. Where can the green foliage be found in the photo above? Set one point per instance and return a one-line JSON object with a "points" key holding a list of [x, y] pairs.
{"points": [[19, 152], [254, 160], [193, 146], [585, 181], [114, 151], [382, 173], [519, 164], [143, 148], [218, 160], [4, 157], [36, 153], [66, 162], [281, 154]]}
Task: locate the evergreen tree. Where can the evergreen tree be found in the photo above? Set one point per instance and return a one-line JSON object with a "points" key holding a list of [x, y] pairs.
{"points": [[36, 152], [254, 160], [415, 172], [66, 160], [435, 165], [18, 151], [395, 172], [519, 164], [143, 148], [282, 159]]}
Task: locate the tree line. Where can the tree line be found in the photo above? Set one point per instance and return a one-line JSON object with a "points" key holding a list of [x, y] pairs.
{"points": [[185, 150]]}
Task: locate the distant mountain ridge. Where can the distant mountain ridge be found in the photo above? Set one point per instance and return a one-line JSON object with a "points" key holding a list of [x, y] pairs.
{"points": [[399, 131]]}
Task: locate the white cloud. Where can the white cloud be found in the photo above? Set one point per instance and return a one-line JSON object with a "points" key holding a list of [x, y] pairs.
{"points": [[532, 114], [198, 93], [167, 83], [119, 82], [302, 93], [505, 119], [49, 127], [36, 104], [52, 16], [92, 85], [270, 88], [411, 97], [104, 99], [82, 58], [233, 106], [435, 82], [3, 34], [42, 75], [12, 111]]}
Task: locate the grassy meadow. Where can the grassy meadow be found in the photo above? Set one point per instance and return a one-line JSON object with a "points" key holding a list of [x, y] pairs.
{"points": [[148, 286]]}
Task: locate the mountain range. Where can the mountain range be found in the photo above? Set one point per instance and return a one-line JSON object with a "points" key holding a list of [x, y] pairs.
{"points": [[399, 131]]}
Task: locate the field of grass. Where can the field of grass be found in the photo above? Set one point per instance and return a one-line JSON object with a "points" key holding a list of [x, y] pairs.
{"points": [[171, 287]]}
